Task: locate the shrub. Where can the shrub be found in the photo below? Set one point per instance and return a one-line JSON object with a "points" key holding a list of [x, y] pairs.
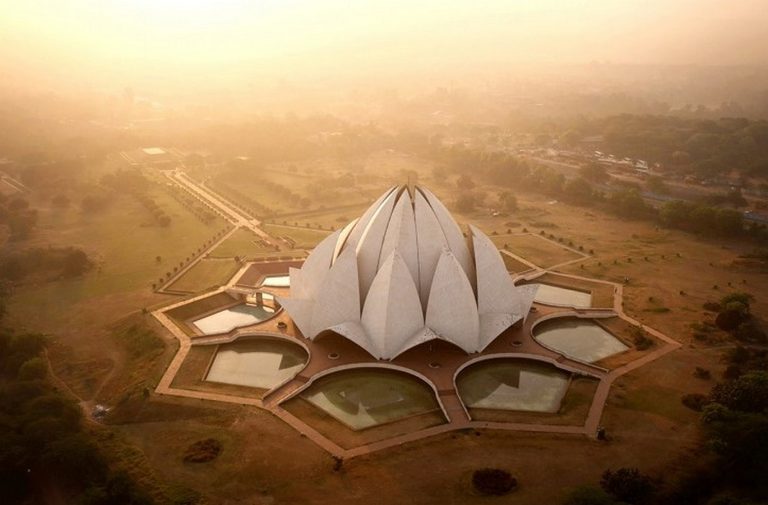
{"points": [[695, 401], [641, 340], [628, 485], [203, 451], [749, 331], [738, 355], [729, 320], [493, 481], [702, 373]]}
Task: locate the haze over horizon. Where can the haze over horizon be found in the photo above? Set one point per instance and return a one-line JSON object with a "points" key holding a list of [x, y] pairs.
{"points": [[206, 45]]}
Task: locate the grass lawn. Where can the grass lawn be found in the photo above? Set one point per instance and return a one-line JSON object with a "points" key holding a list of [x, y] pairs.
{"points": [[535, 249], [335, 217], [514, 265], [303, 237], [206, 274], [124, 247], [244, 191], [244, 244]]}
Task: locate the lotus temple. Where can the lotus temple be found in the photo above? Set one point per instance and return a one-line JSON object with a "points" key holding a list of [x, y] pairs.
{"points": [[403, 325]]}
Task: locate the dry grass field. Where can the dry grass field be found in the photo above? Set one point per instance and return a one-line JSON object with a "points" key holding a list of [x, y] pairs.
{"points": [[538, 250], [207, 273], [243, 244]]}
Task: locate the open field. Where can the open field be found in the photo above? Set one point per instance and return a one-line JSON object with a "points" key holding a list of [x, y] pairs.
{"points": [[514, 265], [125, 249], [335, 217], [207, 273], [125, 245], [247, 191], [243, 244], [538, 250]]}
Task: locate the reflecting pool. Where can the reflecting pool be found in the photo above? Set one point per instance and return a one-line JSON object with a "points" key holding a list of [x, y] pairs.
{"points": [[513, 384], [556, 295], [276, 281], [367, 397], [582, 339], [234, 317], [256, 362]]}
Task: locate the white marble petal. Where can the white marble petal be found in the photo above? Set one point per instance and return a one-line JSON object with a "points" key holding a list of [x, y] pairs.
{"points": [[339, 299], [392, 312], [452, 310]]}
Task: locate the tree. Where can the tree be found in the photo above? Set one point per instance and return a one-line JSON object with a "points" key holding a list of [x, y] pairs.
{"points": [[737, 296], [629, 203], [507, 201], [740, 441], [60, 201], [465, 182], [747, 393], [729, 222], [76, 263], [466, 202], [594, 172], [628, 485], [22, 223], [656, 184], [18, 204], [578, 191], [92, 203]]}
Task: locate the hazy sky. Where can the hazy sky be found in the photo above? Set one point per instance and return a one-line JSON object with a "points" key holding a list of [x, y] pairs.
{"points": [[97, 42]]}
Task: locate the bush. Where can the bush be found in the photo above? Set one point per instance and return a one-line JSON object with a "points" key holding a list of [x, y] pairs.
{"points": [[702, 373], [749, 331], [203, 451], [628, 485], [729, 320], [695, 401], [641, 341], [738, 355], [493, 481], [712, 306]]}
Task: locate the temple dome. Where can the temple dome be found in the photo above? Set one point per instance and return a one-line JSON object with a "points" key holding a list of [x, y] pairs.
{"points": [[403, 274]]}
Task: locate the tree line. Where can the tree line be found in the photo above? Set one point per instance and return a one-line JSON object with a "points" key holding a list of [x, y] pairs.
{"points": [[511, 173], [704, 147]]}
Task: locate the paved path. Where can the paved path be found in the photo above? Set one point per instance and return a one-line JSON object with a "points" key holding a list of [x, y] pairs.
{"points": [[235, 216]]}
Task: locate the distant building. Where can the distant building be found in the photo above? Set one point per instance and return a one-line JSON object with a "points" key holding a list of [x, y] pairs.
{"points": [[156, 157]]}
